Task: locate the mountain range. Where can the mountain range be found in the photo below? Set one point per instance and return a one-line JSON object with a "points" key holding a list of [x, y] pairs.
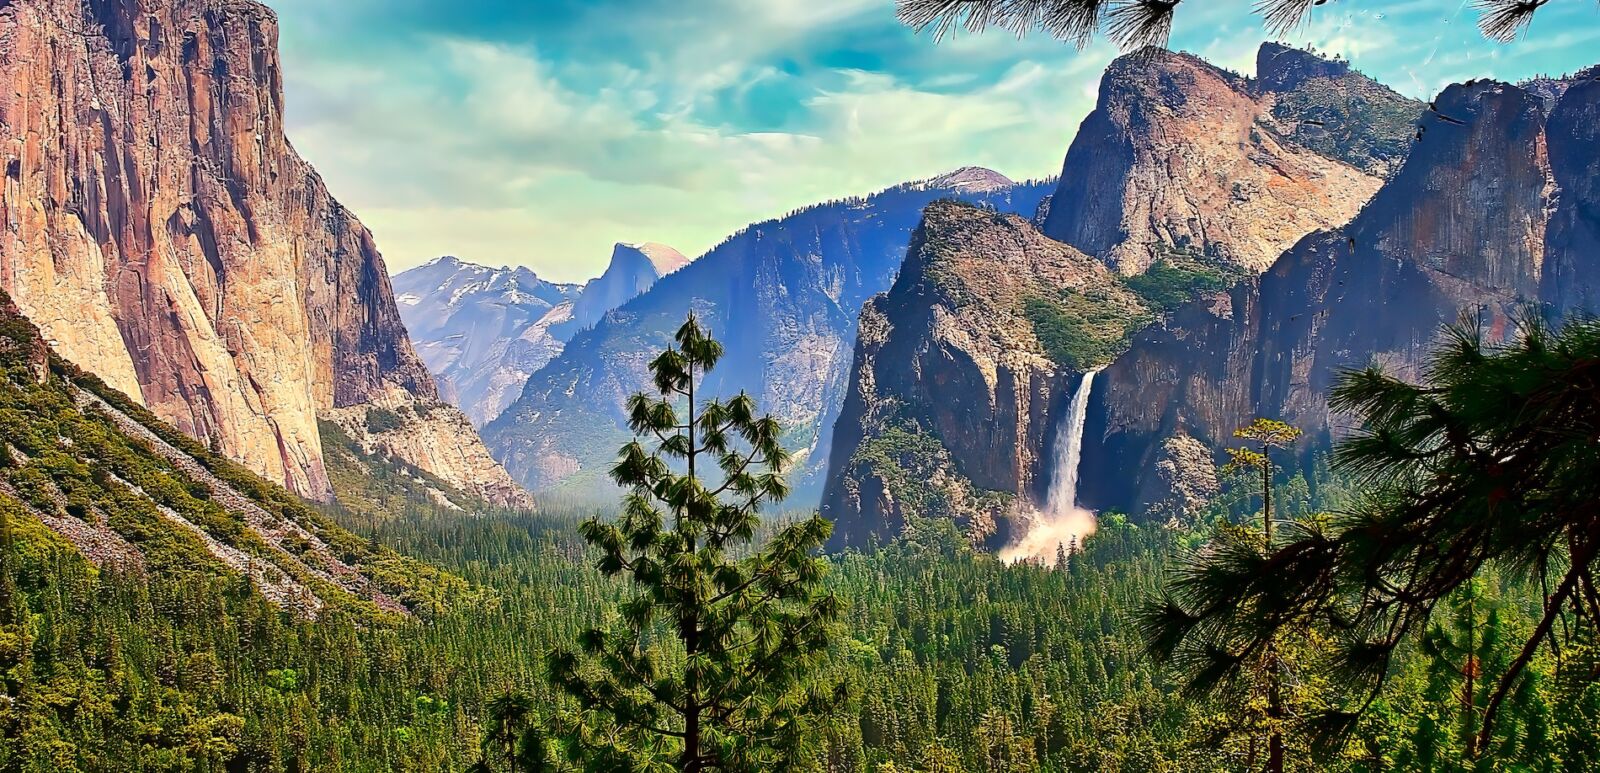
{"points": [[1216, 246], [782, 295], [482, 331]]}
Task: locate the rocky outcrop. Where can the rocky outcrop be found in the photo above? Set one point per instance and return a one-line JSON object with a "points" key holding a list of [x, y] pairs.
{"points": [[1186, 480], [783, 296], [160, 229], [424, 434], [969, 179], [955, 379], [482, 330], [1182, 159], [1486, 217], [20, 343], [1325, 106]]}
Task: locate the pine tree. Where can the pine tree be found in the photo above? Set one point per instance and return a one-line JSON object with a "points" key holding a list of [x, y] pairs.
{"points": [[1267, 435], [707, 668], [506, 737]]}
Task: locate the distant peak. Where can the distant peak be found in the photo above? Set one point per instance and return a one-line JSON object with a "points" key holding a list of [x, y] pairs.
{"points": [[663, 259], [1283, 68], [970, 179]]}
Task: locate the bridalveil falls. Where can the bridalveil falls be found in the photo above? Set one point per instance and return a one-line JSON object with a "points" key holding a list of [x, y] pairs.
{"points": [[1061, 522]]}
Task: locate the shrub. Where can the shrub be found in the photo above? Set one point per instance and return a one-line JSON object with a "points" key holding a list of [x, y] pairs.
{"points": [[381, 420]]}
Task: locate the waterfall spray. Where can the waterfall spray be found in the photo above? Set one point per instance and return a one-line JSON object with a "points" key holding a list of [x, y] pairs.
{"points": [[1061, 522]]}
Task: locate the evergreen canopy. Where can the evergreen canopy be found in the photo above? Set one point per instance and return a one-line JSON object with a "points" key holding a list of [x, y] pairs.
{"points": [[1494, 462]]}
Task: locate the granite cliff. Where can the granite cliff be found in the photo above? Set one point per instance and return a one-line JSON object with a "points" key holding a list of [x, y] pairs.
{"points": [[159, 228], [1492, 214], [1182, 159], [954, 383], [634, 268]]}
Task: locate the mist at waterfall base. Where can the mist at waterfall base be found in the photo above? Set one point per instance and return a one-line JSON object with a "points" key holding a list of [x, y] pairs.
{"points": [[1061, 523]]}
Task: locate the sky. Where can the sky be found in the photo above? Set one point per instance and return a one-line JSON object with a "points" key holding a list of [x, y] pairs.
{"points": [[538, 133]]}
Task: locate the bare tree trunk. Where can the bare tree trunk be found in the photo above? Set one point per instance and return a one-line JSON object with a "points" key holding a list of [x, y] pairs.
{"points": [[1274, 698], [689, 629]]}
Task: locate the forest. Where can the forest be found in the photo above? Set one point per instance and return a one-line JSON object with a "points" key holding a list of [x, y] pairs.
{"points": [[942, 657]]}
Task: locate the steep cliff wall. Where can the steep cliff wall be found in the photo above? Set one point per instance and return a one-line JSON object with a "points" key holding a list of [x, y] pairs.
{"points": [[1180, 158], [952, 389], [162, 232], [633, 269], [1571, 275], [1473, 224]]}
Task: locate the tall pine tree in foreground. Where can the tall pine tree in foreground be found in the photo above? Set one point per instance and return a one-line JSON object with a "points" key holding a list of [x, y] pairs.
{"points": [[1267, 435], [1492, 465], [707, 668]]}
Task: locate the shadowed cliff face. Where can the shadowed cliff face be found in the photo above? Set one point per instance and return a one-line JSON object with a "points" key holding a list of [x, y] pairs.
{"points": [[1571, 276], [951, 393], [783, 296], [633, 269], [1492, 201], [1181, 158], [161, 231]]}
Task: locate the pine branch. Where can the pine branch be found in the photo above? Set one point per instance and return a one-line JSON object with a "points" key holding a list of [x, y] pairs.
{"points": [[1504, 20]]}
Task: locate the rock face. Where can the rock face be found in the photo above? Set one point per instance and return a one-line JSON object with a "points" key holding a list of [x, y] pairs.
{"points": [[482, 330], [1180, 165], [1182, 159], [1493, 210], [1571, 272], [20, 343], [784, 296], [634, 268], [952, 393], [426, 435], [159, 228]]}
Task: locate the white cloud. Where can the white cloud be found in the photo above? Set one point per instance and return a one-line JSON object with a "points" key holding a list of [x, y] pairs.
{"points": [[544, 152]]}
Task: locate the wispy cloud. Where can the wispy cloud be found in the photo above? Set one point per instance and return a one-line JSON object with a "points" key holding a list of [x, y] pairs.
{"points": [[539, 133]]}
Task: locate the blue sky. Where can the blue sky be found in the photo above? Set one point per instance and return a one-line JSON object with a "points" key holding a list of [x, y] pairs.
{"points": [[539, 133]]}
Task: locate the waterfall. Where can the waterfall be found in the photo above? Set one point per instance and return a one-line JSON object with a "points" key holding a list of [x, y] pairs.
{"points": [[1068, 451], [1061, 522]]}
